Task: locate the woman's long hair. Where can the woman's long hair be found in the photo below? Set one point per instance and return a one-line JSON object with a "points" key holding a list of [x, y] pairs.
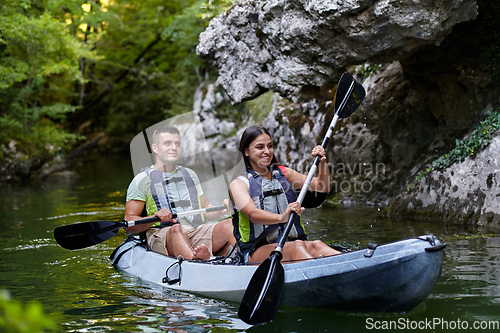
{"points": [[248, 136]]}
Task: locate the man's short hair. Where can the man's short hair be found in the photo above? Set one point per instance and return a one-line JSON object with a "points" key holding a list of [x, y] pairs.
{"points": [[165, 129]]}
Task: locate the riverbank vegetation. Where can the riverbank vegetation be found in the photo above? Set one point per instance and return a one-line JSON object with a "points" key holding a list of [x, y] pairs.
{"points": [[72, 68], [476, 141]]}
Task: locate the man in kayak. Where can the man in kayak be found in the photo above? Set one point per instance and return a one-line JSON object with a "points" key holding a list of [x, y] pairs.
{"points": [[167, 188]]}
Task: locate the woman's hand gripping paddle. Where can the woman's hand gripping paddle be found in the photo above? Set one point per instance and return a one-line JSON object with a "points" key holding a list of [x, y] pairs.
{"points": [[263, 294], [81, 235]]}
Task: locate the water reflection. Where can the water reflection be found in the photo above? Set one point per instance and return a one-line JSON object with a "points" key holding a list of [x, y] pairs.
{"points": [[473, 264], [151, 308]]}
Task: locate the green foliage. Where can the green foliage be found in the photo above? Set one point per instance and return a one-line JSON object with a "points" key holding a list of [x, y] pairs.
{"points": [[456, 237], [478, 139], [150, 69], [260, 107], [39, 65], [120, 65], [366, 69], [16, 318], [123, 65]]}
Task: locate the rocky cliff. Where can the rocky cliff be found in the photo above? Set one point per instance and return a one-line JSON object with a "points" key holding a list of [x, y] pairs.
{"points": [[294, 47], [466, 192], [434, 85]]}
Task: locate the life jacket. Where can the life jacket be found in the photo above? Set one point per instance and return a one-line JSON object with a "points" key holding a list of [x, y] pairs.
{"points": [[273, 196], [162, 186]]}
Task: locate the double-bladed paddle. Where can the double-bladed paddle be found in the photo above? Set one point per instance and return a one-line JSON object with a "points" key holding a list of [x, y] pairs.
{"points": [[263, 294], [81, 235]]}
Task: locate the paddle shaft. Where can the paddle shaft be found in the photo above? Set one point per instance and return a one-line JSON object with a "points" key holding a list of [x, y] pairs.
{"points": [[191, 212], [261, 300], [313, 169], [276, 254]]}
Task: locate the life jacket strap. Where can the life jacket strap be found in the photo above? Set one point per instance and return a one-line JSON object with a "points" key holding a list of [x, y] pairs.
{"points": [[273, 192], [159, 192], [180, 203], [174, 180]]}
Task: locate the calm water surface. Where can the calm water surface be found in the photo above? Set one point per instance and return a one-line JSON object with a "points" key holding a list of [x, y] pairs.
{"points": [[86, 294]]}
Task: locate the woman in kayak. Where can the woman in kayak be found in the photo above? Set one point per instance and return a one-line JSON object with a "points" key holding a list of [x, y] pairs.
{"points": [[263, 192]]}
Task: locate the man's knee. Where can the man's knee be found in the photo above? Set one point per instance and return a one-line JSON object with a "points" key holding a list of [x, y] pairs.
{"points": [[224, 226], [227, 223], [175, 229]]}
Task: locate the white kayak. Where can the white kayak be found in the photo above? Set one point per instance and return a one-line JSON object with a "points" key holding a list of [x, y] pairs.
{"points": [[390, 277]]}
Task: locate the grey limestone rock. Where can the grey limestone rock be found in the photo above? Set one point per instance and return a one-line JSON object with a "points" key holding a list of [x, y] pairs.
{"points": [[296, 46]]}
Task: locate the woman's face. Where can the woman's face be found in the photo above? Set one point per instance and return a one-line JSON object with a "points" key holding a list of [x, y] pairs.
{"points": [[260, 151]]}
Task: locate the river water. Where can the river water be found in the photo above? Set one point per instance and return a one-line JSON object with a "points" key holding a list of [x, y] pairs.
{"points": [[85, 293]]}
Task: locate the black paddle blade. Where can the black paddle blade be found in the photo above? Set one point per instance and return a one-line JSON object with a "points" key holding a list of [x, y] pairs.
{"points": [[354, 99], [263, 295], [312, 199], [80, 235]]}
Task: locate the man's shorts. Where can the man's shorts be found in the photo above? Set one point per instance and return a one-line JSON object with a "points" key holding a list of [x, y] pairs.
{"points": [[201, 235]]}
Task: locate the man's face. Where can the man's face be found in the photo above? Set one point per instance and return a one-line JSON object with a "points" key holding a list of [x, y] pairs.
{"points": [[167, 148]]}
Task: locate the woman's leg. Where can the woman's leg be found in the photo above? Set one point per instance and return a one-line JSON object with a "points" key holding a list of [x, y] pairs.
{"points": [[261, 254], [296, 250], [317, 248]]}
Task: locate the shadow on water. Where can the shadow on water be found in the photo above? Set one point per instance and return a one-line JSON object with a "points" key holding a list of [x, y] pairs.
{"points": [[88, 294]]}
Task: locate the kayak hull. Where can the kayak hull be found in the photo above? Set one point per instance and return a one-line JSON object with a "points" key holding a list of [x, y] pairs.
{"points": [[391, 277]]}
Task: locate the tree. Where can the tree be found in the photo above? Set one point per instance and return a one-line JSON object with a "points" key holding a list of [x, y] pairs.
{"points": [[39, 64], [117, 66], [150, 69]]}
